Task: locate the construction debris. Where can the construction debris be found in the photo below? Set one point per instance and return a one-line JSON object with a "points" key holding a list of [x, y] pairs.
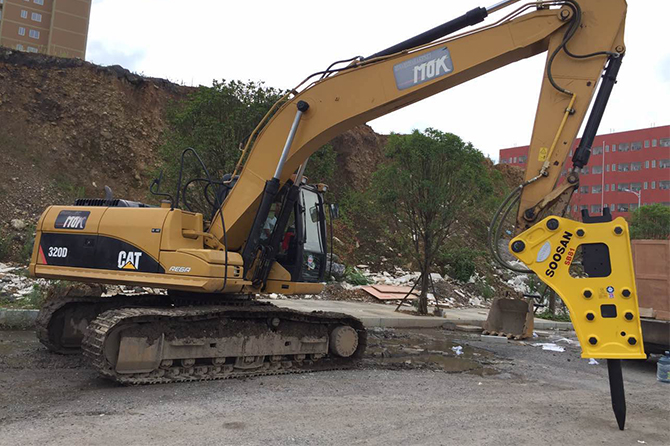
{"points": [[549, 346], [390, 292]]}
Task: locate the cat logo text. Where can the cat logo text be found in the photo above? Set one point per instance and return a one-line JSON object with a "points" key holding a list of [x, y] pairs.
{"points": [[129, 260]]}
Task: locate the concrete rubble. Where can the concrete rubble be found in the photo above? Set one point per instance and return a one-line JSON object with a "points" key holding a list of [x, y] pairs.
{"points": [[16, 286], [15, 283], [451, 293]]}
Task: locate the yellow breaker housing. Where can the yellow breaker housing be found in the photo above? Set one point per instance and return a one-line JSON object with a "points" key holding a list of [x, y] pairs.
{"points": [[600, 293]]}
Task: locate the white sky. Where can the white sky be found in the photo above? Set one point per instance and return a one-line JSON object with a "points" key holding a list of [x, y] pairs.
{"points": [[281, 42]]}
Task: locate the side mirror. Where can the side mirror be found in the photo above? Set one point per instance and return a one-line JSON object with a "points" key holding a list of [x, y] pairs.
{"points": [[334, 209]]}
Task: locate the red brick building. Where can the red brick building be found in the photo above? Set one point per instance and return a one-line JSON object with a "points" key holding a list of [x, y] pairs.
{"points": [[625, 168]]}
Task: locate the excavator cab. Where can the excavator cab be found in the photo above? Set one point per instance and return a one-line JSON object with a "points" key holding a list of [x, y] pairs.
{"points": [[303, 247]]}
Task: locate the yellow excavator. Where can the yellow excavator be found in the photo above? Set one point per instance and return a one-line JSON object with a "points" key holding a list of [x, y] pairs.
{"points": [[266, 231]]}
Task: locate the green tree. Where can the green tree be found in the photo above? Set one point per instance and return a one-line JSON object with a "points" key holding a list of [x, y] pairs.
{"points": [[321, 165], [215, 121], [650, 222], [428, 181]]}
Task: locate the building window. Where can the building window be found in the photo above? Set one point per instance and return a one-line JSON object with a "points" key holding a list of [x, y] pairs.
{"points": [[613, 207], [522, 159], [19, 47], [583, 207], [597, 169], [653, 164], [624, 167], [621, 187], [621, 207], [634, 167], [665, 142], [646, 164], [596, 189], [613, 147], [515, 158], [613, 187], [636, 146], [632, 206], [597, 150], [596, 209], [646, 143], [585, 170], [614, 167], [24, 14], [645, 185], [570, 154], [664, 164], [36, 16], [607, 187], [625, 147], [653, 143], [32, 49], [653, 184], [22, 31], [607, 167], [607, 149], [584, 190], [34, 34], [664, 185], [39, 2], [636, 187], [574, 208]]}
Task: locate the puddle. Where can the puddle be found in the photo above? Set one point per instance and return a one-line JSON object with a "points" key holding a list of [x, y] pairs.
{"points": [[434, 351]]}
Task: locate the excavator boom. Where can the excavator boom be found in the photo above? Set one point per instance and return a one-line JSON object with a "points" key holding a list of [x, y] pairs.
{"points": [[376, 86]]}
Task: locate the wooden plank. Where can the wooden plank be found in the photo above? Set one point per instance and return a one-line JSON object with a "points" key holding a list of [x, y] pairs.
{"points": [[651, 260], [392, 288], [647, 312], [387, 296]]}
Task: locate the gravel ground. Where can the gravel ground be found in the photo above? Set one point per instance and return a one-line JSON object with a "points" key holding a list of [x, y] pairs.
{"points": [[411, 389]]}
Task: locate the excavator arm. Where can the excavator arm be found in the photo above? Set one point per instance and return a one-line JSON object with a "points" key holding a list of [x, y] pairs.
{"points": [[582, 40], [369, 88]]}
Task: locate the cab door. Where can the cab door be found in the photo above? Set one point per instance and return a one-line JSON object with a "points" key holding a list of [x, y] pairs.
{"points": [[313, 265]]}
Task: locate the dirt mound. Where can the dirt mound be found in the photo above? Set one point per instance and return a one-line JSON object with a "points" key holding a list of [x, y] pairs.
{"points": [[359, 152], [513, 175], [70, 127]]}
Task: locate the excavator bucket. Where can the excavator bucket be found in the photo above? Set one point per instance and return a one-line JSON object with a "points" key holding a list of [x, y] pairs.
{"points": [[510, 317]]}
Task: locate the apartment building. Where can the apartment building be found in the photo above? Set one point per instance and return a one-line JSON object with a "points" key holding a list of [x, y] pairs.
{"points": [[55, 27], [626, 169]]}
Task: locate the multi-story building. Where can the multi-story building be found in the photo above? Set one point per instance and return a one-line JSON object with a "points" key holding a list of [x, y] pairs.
{"points": [[626, 169], [55, 27]]}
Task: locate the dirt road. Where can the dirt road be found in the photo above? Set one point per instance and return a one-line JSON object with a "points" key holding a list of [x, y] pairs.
{"points": [[414, 388]]}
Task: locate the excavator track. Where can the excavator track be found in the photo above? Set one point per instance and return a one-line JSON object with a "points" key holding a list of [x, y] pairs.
{"points": [[61, 322], [203, 338]]}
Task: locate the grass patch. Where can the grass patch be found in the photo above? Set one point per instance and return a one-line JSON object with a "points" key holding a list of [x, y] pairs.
{"points": [[355, 277], [559, 317], [32, 301], [4, 248], [71, 190]]}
